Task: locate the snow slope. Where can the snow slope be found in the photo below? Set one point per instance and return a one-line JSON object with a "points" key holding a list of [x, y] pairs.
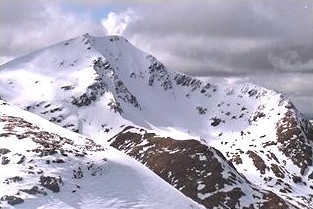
{"points": [[46, 166], [98, 86], [197, 170]]}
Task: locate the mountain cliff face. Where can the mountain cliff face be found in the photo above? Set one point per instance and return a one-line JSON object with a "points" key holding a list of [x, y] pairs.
{"points": [[197, 170], [98, 86]]}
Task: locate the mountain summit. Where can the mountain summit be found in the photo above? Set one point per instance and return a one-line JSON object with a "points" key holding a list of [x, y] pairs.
{"points": [[107, 89]]}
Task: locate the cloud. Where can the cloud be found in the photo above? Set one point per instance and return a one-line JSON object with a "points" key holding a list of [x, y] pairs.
{"points": [[115, 24], [223, 36], [291, 61], [26, 26], [268, 43]]}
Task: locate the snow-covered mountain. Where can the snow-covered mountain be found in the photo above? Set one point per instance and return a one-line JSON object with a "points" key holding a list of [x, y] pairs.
{"points": [[197, 170], [46, 166], [99, 86]]}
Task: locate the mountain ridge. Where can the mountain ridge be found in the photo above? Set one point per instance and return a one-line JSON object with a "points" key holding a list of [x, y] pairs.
{"points": [[98, 86], [53, 167]]}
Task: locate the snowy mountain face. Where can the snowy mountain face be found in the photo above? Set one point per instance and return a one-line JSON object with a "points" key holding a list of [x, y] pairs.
{"points": [[198, 171], [45, 166], [99, 86]]}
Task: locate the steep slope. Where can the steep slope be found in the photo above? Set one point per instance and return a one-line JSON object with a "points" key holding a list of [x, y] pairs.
{"points": [[198, 171], [59, 83], [45, 166], [97, 86]]}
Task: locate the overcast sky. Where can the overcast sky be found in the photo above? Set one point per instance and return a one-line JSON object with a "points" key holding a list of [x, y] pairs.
{"points": [[269, 43]]}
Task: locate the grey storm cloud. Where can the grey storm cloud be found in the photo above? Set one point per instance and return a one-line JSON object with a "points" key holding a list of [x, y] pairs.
{"points": [[241, 36], [248, 19], [265, 42]]}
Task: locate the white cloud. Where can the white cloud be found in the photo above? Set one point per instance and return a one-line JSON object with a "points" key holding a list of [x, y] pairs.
{"points": [[116, 23], [27, 26]]}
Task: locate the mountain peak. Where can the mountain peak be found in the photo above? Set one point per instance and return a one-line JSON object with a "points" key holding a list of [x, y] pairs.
{"points": [[99, 86]]}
